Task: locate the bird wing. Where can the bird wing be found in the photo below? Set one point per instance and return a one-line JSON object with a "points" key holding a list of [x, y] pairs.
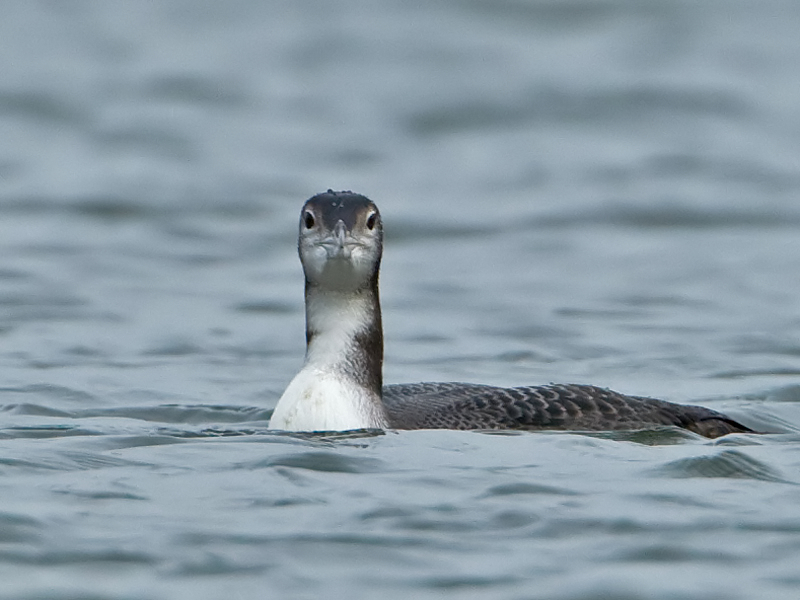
{"points": [[565, 407]]}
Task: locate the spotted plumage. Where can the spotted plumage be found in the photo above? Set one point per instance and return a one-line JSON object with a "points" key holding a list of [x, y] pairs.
{"points": [[554, 406]]}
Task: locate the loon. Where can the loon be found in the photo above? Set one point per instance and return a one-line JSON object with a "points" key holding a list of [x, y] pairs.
{"points": [[340, 386]]}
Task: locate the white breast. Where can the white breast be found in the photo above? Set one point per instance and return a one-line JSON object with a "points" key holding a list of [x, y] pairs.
{"points": [[322, 401]]}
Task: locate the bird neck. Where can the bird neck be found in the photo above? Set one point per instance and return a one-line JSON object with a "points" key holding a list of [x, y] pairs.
{"points": [[344, 335]]}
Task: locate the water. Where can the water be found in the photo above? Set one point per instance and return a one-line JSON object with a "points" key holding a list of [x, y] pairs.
{"points": [[595, 192]]}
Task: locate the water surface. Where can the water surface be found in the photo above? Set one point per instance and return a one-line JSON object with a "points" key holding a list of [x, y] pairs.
{"points": [[591, 192]]}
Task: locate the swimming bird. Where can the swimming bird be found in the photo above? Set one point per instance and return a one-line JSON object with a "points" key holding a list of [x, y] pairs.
{"points": [[340, 386]]}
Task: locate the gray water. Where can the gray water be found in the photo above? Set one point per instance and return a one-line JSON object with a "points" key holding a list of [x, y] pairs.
{"points": [[601, 192]]}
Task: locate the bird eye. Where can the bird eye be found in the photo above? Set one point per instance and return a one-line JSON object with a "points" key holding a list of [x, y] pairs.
{"points": [[371, 220], [308, 220]]}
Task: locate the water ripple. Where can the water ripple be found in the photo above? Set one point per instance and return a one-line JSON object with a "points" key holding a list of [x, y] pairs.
{"points": [[514, 489], [327, 462], [54, 558], [727, 464], [560, 105], [40, 106], [17, 528]]}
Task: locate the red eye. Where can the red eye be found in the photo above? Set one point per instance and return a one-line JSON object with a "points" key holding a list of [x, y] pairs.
{"points": [[308, 220]]}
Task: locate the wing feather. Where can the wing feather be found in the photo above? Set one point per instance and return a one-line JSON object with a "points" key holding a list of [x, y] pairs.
{"points": [[565, 407]]}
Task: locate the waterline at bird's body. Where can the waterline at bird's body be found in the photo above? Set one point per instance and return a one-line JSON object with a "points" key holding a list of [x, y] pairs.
{"points": [[340, 386]]}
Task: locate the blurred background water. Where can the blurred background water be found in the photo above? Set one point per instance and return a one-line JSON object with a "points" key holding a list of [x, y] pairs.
{"points": [[594, 191]]}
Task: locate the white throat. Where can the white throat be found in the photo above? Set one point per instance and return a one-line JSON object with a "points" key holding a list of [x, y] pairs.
{"points": [[326, 395]]}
